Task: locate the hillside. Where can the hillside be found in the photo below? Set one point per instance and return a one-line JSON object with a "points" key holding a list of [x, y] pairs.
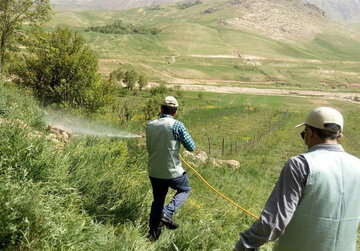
{"points": [[93, 193], [341, 10], [74, 180], [106, 4], [277, 44]]}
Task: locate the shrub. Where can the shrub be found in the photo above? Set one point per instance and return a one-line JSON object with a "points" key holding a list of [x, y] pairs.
{"points": [[61, 69], [125, 110], [188, 4], [200, 96], [130, 79], [118, 27], [143, 81], [160, 90], [152, 107]]}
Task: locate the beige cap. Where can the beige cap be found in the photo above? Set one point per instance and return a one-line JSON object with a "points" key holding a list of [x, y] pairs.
{"points": [[170, 101], [324, 115]]}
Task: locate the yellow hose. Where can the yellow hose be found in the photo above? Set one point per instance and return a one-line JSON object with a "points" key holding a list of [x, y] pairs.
{"points": [[216, 191]]}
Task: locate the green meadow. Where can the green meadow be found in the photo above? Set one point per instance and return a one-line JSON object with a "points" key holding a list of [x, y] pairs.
{"points": [[197, 46], [94, 192]]}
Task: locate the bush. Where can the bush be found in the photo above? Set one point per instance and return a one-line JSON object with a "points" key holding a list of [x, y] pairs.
{"points": [[62, 70], [118, 27], [160, 90], [152, 107], [143, 82], [125, 110], [189, 4], [130, 79]]}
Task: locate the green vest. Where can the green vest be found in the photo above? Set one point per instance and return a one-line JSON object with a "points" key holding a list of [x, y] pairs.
{"points": [[328, 214], [163, 149]]}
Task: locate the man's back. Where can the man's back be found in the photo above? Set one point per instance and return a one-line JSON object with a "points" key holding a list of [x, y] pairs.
{"points": [[328, 214], [163, 149]]}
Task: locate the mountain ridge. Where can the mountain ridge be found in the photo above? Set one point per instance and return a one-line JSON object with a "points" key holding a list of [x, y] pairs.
{"points": [[106, 4], [340, 10]]}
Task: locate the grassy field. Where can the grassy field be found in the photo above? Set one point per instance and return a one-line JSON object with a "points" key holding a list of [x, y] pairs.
{"points": [[193, 45], [95, 191]]}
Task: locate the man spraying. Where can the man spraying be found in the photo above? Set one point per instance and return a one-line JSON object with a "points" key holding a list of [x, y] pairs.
{"points": [[315, 205], [163, 138]]}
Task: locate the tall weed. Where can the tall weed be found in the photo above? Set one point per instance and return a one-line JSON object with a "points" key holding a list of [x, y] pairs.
{"points": [[112, 185]]}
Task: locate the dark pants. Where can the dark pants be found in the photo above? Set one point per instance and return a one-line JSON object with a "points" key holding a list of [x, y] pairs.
{"points": [[160, 188]]}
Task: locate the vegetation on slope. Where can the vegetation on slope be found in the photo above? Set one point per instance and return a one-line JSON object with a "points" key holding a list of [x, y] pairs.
{"points": [[118, 27], [47, 195], [94, 193], [204, 42]]}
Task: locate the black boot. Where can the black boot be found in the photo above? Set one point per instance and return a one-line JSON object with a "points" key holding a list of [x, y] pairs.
{"points": [[168, 221], [155, 233]]}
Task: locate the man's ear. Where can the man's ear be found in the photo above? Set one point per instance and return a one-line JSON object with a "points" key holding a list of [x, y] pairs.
{"points": [[309, 132], [175, 114], [340, 137]]}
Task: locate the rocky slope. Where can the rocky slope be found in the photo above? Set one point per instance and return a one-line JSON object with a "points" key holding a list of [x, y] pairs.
{"points": [[105, 4], [341, 10], [280, 20]]}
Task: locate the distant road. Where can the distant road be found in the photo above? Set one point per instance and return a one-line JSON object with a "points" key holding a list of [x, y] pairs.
{"points": [[353, 97]]}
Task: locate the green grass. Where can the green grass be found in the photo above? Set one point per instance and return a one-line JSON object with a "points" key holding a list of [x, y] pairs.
{"points": [[191, 32], [95, 193]]}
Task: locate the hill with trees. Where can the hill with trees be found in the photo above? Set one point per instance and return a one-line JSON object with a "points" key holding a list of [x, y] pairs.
{"points": [[63, 190], [280, 44]]}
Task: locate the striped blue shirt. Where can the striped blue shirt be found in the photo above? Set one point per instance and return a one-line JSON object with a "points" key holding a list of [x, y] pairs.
{"points": [[181, 134]]}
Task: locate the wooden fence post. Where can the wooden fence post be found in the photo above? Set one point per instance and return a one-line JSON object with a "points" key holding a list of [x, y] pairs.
{"points": [[223, 147], [209, 145]]}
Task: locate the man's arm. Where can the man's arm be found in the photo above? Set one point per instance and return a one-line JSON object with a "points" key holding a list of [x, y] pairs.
{"points": [[279, 208], [181, 134]]}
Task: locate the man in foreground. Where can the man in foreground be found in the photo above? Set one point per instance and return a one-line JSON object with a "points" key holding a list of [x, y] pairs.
{"points": [[163, 138], [315, 204]]}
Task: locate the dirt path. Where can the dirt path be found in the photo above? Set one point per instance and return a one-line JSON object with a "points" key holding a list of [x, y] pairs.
{"points": [[353, 97]]}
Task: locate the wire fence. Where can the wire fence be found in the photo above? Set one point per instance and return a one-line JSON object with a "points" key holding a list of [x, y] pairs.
{"points": [[229, 147]]}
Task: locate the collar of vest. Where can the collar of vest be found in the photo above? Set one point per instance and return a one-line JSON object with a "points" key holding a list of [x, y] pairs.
{"points": [[327, 147]]}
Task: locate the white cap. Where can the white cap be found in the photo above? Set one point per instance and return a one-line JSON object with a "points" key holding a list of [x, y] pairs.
{"points": [[170, 101], [324, 115]]}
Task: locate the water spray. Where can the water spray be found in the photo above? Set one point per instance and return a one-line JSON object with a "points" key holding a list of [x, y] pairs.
{"points": [[80, 126]]}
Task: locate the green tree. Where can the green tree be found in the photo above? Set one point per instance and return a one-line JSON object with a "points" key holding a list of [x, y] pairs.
{"points": [[112, 77], [117, 76], [130, 79], [120, 75], [61, 69], [143, 82], [125, 110], [151, 107], [13, 15]]}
